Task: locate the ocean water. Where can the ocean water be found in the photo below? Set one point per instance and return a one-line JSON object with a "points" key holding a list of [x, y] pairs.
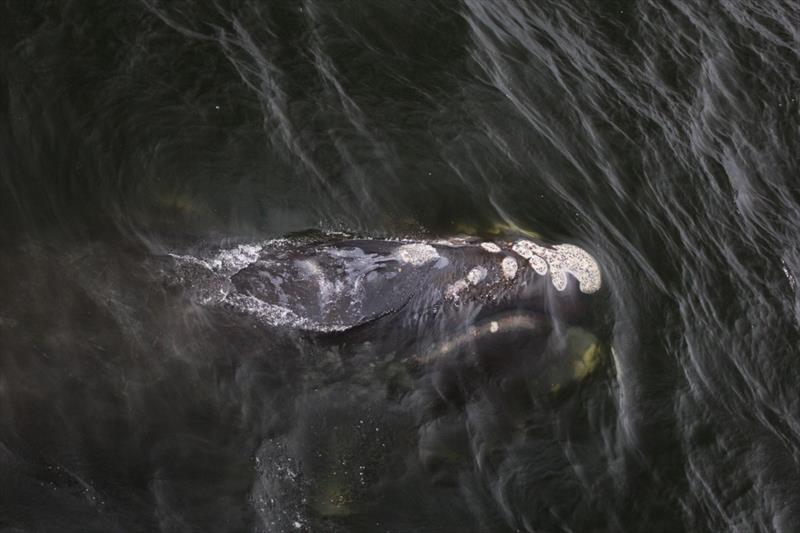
{"points": [[155, 155]]}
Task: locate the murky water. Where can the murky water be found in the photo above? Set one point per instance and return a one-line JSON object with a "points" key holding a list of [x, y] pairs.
{"points": [[257, 266]]}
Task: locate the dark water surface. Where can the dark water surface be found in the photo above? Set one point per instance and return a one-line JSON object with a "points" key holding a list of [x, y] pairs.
{"points": [[660, 137]]}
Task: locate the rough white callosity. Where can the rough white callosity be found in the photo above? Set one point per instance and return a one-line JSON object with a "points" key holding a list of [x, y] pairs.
{"points": [[416, 253], [539, 265], [473, 277], [534, 254], [490, 247], [562, 259], [476, 275], [569, 258], [528, 249], [453, 292], [509, 267]]}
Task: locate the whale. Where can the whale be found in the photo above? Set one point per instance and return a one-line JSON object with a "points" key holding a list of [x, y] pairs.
{"points": [[401, 340], [428, 299], [343, 374]]}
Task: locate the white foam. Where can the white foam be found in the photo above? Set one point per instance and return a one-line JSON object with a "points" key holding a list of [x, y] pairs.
{"points": [[276, 315], [226, 262], [789, 276], [238, 258]]}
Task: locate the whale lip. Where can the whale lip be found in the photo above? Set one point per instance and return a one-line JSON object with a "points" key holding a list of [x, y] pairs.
{"points": [[484, 334]]}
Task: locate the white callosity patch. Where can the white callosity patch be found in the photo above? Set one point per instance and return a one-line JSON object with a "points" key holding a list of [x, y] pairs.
{"points": [[416, 253], [490, 247], [534, 254], [562, 259], [570, 258], [528, 249], [559, 278], [539, 265], [453, 242], [476, 275], [453, 291], [509, 267]]}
